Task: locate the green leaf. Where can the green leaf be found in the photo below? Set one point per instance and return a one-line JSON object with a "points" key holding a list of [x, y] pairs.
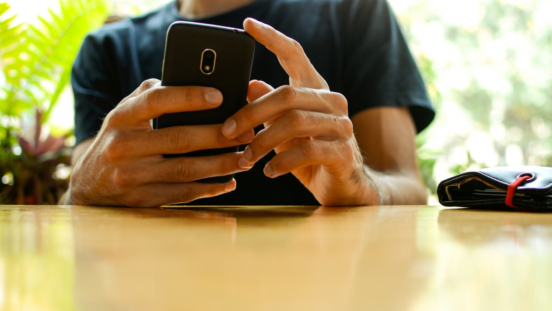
{"points": [[63, 81], [38, 58], [5, 24], [53, 31], [38, 33], [58, 20], [4, 7]]}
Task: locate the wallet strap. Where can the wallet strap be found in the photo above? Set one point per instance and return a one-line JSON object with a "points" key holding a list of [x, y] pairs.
{"points": [[512, 189]]}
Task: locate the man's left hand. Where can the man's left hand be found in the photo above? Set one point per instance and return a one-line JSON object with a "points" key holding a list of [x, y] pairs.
{"points": [[305, 123]]}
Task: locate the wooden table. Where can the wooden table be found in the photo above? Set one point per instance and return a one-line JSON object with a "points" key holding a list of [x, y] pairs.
{"points": [[274, 258]]}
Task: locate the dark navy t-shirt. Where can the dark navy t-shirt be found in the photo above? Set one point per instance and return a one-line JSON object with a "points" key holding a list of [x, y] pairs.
{"points": [[356, 45]]}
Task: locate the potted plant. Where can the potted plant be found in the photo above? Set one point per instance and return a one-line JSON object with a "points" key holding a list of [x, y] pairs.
{"points": [[35, 63]]}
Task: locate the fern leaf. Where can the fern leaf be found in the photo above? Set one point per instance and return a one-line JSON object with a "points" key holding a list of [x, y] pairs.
{"points": [[38, 33], [61, 85], [59, 20], [53, 31], [4, 7], [8, 37], [38, 68], [5, 24]]}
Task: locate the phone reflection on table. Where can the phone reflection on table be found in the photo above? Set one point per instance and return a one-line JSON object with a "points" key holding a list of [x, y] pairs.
{"points": [[281, 258]]}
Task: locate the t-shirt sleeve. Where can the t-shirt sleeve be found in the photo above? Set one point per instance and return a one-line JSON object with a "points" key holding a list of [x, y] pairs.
{"points": [[93, 86], [379, 69]]}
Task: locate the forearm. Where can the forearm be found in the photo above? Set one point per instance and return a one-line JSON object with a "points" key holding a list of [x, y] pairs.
{"points": [[393, 188]]}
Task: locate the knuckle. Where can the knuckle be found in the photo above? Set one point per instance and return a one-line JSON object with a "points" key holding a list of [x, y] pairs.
{"points": [[176, 140], [287, 93], [259, 144], [113, 118], [297, 48], [115, 149], [340, 101], [347, 125], [309, 150], [297, 119], [148, 84], [121, 181], [121, 178], [183, 172], [187, 94], [152, 96], [296, 45]]}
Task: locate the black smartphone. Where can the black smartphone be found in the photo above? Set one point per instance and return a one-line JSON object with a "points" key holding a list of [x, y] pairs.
{"points": [[199, 54]]}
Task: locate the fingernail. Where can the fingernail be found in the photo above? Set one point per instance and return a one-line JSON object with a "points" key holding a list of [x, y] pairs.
{"points": [[242, 163], [229, 128], [246, 137], [213, 97], [231, 186], [248, 154], [268, 170]]}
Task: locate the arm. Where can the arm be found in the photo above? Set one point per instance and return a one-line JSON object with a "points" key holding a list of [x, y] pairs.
{"points": [[386, 137], [310, 130]]}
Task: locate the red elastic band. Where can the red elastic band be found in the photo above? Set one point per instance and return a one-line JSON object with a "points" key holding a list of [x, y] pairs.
{"points": [[512, 189]]}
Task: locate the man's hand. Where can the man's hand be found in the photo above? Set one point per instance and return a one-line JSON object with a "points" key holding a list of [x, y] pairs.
{"points": [[309, 128], [306, 124], [124, 164]]}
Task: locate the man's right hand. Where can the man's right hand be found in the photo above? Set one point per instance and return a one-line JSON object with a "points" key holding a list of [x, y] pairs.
{"points": [[124, 165]]}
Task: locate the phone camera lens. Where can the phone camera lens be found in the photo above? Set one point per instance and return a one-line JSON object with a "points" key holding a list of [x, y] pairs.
{"points": [[208, 59]]}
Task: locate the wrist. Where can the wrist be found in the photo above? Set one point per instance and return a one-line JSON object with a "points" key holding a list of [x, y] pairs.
{"points": [[372, 190], [66, 199], [357, 188]]}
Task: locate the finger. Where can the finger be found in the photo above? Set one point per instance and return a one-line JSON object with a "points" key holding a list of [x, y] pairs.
{"points": [[145, 86], [161, 100], [311, 152], [289, 53], [276, 103], [188, 169], [184, 139], [258, 89], [162, 194], [297, 123]]}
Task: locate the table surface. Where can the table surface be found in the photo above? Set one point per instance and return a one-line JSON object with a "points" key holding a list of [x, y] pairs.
{"points": [[274, 258]]}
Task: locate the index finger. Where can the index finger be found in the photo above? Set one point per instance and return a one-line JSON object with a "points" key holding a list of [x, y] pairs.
{"points": [[290, 54], [160, 100]]}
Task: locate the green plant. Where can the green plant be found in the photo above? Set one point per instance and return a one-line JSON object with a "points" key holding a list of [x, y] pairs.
{"points": [[36, 65], [491, 58]]}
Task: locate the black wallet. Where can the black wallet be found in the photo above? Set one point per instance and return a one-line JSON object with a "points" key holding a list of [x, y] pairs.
{"points": [[526, 188]]}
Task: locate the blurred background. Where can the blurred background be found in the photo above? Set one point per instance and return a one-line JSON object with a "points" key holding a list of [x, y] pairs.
{"points": [[487, 65]]}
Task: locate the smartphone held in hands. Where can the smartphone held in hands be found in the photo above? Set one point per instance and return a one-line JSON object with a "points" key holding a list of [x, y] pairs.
{"points": [[213, 56]]}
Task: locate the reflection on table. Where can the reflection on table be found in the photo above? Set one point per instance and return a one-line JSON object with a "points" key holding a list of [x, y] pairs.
{"points": [[273, 258]]}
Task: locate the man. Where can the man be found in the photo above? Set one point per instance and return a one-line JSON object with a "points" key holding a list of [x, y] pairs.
{"points": [[335, 88]]}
